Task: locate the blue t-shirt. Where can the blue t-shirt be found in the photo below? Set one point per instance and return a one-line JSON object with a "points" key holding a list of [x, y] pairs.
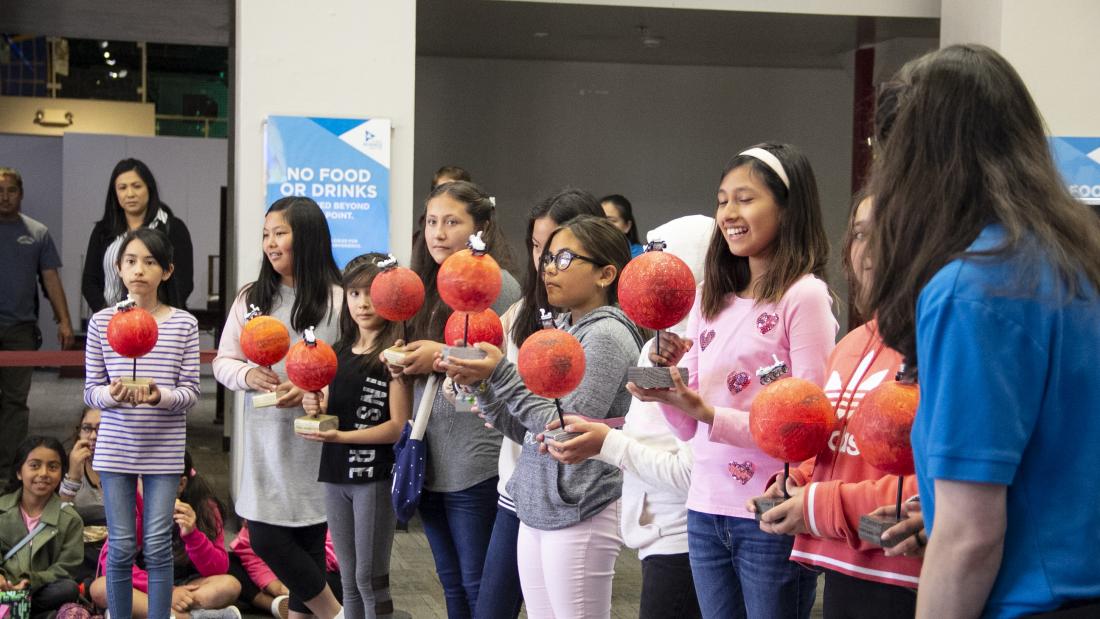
{"points": [[1010, 395], [26, 250]]}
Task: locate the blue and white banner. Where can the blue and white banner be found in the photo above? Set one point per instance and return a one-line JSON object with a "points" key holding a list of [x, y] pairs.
{"points": [[1078, 159], [341, 163]]}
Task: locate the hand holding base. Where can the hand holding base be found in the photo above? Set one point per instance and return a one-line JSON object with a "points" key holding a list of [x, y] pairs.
{"points": [[307, 424], [764, 503]]}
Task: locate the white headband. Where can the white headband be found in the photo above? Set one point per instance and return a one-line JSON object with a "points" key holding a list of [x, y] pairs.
{"points": [[771, 161]]}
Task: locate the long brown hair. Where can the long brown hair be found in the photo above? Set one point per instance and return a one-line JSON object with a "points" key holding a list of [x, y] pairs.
{"points": [[560, 208], [968, 149], [801, 246], [428, 322], [359, 273]]}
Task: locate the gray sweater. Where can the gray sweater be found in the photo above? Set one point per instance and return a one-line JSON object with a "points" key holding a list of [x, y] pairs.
{"points": [[462, 452], [550, 495]]}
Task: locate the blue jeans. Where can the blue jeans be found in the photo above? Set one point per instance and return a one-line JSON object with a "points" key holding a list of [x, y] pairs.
{"points": [[501, 596], [740, 571], [458, 526], [120, 501]]}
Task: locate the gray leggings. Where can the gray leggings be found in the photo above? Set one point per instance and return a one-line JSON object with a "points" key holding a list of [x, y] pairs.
{"points": [[361, 521]]}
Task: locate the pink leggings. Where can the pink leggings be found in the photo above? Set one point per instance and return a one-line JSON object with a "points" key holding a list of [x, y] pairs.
{"points": [[567, 574]]}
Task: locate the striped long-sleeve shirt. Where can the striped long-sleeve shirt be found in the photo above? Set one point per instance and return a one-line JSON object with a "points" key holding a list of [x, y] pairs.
{"points": [[143, 439]]}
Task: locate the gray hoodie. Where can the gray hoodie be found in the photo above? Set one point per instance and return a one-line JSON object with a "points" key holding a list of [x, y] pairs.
{"points": [[550, 495]]}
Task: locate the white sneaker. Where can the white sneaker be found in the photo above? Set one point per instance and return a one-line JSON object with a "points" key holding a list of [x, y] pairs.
{"points": [[280, 607]]}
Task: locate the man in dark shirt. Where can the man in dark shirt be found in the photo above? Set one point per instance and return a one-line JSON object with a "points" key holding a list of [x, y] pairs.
{"points": [[27, 257]]}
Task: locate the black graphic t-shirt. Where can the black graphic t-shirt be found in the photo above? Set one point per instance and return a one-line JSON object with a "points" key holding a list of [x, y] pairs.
{"points": [[360, 399]]}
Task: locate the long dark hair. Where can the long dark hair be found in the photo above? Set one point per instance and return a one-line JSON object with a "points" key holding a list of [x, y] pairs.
{"points": [[315, 271], [858, 313], [626, 213], [603, 242], [200, 496], [560, 208], [801, 246], [359, 273], [428, 322], [968, 149], [24, 450], [114, 218], [160, 248]]}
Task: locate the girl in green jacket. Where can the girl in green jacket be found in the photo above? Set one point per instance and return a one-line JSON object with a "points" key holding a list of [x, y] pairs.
{"points": [[31, 509]]}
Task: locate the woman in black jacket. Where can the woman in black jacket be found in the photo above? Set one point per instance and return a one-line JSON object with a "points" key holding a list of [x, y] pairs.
{"points": [[133, 202]]}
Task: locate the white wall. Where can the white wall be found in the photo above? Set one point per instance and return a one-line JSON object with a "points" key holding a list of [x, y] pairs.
{"points": [[1053, 46], [659, 135], [342, 58]]}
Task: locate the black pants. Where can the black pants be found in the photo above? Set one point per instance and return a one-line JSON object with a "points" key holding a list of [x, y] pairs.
{"points": [[53, 596], [296, 555], [249, 590], [847, 597], [668, 589], [15, 384]]}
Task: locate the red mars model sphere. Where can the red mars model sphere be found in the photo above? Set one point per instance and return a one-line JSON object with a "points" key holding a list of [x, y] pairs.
{"points": [[551, 363], [469, 281], [397, 293], [484, 327], [882, 425], [265, 340], [791, 419], [311, 365], [132, 332], [656, 289]]}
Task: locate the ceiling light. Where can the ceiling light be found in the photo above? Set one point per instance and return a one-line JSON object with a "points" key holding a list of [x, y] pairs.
{"points": [[122, 73], [111, 62], [541, 34], [106, 54], [113, 75], [103, 44]]}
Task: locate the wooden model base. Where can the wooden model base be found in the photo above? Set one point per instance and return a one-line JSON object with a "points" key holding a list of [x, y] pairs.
{"points": [[559, 435], [464, 352], [871, 529], [264, 400], [394, 355], [132, 383], [311, 425], [654, 378], [763, 504]]}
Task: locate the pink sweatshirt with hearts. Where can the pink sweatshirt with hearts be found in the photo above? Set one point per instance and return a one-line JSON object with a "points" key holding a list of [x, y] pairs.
{"points": [[799, 331]]}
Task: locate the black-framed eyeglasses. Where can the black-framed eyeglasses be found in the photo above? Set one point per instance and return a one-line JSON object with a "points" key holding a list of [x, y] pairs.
{"points": [[88, 428], [563, 259]]}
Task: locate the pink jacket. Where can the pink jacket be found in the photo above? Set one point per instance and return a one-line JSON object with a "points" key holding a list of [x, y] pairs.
{"points": [[258, 571], [209, 557], [800, 331]]}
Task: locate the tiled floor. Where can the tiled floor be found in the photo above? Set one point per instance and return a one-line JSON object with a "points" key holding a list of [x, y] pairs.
{"points": [[56, 403]]}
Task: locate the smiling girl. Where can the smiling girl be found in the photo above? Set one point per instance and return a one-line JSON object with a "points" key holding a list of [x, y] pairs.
{"points": [[762, 299], [299, 284], [41, 564]]}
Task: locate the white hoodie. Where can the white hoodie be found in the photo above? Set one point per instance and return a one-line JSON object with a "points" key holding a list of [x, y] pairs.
{"points": [[656, 465]]}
